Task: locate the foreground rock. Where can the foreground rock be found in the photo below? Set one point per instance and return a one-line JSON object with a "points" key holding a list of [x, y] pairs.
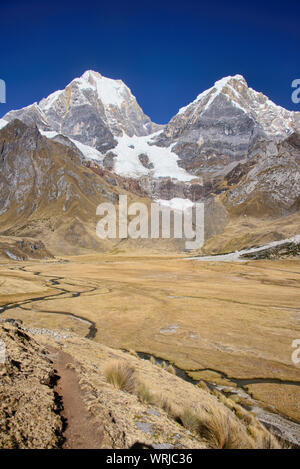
{"points": [[47, 398], [29, 408]]}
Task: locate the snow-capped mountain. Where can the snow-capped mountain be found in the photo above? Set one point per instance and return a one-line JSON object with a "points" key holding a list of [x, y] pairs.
{"points": [[91, 109], [206, 139], [231, 147], [222, 124]]}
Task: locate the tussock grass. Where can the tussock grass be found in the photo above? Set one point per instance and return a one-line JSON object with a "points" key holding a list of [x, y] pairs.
{"points": [[121, 376], [189, 419], [222, 431], [152, 360], [169, 407], [222, 424], [263, 438], [203, 385], [144, 394], [171, 370]]}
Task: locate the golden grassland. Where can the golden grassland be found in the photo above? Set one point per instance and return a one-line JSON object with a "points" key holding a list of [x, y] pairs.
{"points": [[236, 318]]}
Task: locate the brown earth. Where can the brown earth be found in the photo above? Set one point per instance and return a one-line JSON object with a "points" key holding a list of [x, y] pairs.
{"points": [[80, 432]]}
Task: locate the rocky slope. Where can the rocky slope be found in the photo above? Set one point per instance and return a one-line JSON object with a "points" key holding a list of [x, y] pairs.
{"points": [[68, 373], [20, 249], [50, 189], [29, 408], [46, 192]]}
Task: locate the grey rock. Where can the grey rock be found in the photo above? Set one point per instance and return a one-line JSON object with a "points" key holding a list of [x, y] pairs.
{"points": [[153, 412], [146, 427], [163, 446]]}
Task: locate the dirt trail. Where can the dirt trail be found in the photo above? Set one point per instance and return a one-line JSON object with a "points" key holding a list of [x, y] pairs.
{"points": [[81, 432]]}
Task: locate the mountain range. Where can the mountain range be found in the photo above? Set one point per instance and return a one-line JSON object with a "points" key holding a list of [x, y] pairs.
{"points": [[232, 148]]}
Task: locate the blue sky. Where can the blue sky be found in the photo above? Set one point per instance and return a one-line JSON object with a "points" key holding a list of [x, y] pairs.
{"points": [[167, 52]]}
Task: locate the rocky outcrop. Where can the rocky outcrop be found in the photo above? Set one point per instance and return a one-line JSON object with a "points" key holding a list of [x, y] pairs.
{"points": [[29, 408], [269, 182], [20, 249]]}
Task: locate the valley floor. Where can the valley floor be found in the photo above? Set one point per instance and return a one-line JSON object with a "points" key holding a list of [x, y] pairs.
{"points": [[230, 324]]}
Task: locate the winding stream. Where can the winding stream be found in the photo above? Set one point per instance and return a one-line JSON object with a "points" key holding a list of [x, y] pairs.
{"points": [[54, 281], [283, 427]]}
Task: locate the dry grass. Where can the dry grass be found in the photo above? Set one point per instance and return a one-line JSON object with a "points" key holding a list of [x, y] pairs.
{"points": [[221, 431], [121, 376], [223, 424], [264, 293], [263, 438], [171, 370], [144, 394], [165, 403], [189, 420], [124, 377]]}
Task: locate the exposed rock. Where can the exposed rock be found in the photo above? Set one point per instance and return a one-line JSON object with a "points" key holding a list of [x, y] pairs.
{"points": [[29, 408], [92, 109]]}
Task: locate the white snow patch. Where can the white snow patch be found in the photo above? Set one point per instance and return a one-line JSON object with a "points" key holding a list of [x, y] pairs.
{"points": [[176, 203], [110, 92], [47, 103], [13, 256], [48, 133], [89, 152], [215, 91], [163, 159], [3, 123], [235, 256]]}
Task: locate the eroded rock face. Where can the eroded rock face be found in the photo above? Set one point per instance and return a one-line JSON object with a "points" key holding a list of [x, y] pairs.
{"points": [[269, 183], [46, 190], [37, 171], [29, 410]]}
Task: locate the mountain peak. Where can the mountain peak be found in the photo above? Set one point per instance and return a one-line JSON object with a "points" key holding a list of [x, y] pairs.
{"points": [[225, 80], [233, 83], [90, 73], [110, 92]]}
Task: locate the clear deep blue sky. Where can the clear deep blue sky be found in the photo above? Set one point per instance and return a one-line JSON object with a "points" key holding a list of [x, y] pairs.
{"points": [[167, 52]]}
